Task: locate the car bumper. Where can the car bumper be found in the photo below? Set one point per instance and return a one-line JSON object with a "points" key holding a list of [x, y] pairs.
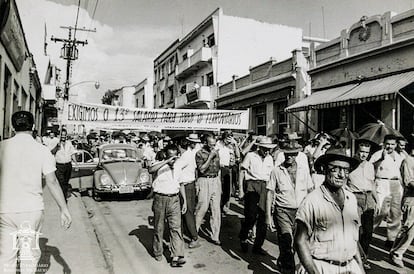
{"points": [[134, 189]]}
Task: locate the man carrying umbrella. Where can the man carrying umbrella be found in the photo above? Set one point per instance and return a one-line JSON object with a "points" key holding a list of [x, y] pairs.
{"points": [[387, 163]]}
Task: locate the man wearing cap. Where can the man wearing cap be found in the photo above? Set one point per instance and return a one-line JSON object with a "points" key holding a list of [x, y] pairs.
{"points": [[387, 163], [208, 186], [255, 170], [327, 221], [186, 164], [23, 163], [361, 183], [289, 184]]}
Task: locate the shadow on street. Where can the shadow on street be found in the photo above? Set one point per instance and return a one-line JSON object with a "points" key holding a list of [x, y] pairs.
{"points": [[49, 251]]}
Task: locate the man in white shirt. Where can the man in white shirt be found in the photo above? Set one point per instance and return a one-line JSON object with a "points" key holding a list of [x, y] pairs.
{"points": [[229, 153], [387, 163], [51, 142], [23, 162], [166, 206], [186, 165], [63, 157], [255, 169]]}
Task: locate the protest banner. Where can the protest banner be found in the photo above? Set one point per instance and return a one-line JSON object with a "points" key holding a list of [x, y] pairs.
{"points": [[138, 118]]}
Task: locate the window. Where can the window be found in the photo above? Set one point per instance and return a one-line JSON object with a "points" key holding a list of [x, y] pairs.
{"points": [[210, 79], [155, 101], [185, 56], [260, 118], [155, 76], [171, 94], [162, 72], [143, 100], [162, 101], [137, 102], [211, 41], [281, 116], [171, 65]]}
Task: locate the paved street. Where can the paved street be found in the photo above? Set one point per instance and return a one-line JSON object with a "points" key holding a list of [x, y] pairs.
{"points": [[124, 232]]}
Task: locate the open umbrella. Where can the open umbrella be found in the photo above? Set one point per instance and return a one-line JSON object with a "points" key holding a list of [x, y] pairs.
{"points": [[344, 133], [376, 132]]}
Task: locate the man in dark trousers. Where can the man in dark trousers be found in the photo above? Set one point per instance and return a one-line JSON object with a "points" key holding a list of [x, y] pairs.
{"points": [[63, 157], [255, 169]]}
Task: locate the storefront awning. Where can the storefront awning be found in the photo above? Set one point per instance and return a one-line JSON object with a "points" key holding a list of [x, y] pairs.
{"points": [[321, 99], [368, 91]]}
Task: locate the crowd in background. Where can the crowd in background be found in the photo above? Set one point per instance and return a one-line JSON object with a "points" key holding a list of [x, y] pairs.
{"points": [[282, 183]]}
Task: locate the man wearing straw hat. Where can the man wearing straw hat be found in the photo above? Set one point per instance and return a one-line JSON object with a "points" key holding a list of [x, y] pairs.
{"points": [[255, 170], [327, 221], [289, 184]]}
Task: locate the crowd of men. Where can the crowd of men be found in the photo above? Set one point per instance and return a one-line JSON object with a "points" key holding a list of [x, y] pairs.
{"points": [[323, 203]]}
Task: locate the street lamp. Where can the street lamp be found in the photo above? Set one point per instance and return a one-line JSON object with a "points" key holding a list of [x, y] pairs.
{"points": [[68, 86]]}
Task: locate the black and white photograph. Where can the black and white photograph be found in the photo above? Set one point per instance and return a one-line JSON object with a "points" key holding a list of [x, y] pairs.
{"points": [[215, 136]]}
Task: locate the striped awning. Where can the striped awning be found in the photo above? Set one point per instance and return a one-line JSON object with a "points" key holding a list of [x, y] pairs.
{"points": [[374, 90]]}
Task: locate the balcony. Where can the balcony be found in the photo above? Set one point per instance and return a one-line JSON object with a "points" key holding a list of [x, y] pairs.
{"points": [[197, 60], [194, 97]]}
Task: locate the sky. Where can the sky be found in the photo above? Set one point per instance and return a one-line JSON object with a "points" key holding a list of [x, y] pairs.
{"points": [[130, 34]]}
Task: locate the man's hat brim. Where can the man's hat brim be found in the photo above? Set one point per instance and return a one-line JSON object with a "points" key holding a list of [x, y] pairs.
{"points": [[266, 145], [193, 140], [330, 157]]}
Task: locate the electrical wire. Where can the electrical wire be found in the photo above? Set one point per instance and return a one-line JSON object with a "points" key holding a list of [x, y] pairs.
{"points": [[76, 22]]}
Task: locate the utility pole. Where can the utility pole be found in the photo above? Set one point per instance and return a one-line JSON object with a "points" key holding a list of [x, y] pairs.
{"points": [[69, 52]]}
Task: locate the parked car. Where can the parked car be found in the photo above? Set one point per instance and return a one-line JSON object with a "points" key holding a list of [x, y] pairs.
{"points": [[117, 170]]}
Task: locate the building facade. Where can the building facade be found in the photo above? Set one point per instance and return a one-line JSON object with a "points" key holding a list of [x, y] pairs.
{"points": [[363, 76], [144, 94], [266, 91], [216, 49], [20, 86]]}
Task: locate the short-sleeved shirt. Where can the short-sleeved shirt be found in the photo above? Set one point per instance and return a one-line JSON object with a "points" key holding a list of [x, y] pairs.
{"points": [[362, 178], [289, 194], [333, 233], [257, 168], [50, 143], [23, 162], [64, 153], [165, 181], [214, 166], [187, 165], [389, 167]]}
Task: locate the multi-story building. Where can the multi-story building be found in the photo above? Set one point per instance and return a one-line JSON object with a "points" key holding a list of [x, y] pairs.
{"points": [[124, 96], [144, 94], [20, 87], [52, 98], [216, 49], [364, 75], [165, 88]]}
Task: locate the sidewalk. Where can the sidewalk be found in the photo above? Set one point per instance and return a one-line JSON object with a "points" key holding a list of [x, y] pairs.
{"points": [[75, 250]]}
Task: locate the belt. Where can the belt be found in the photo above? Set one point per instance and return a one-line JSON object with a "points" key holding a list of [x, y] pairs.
{"points": [[338, 263], [363, 192], [208, 176], [64, 163], [255, 181], [394, 178], [166, 195]]}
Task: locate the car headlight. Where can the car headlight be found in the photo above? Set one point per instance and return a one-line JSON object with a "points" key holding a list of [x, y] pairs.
{"points": [[144, 177], [106, 180]]}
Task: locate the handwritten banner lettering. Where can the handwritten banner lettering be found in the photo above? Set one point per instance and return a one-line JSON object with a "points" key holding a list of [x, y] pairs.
{"points": [[119, 117]]}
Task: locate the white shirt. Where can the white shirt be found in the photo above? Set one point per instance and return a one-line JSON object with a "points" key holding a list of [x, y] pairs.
{"points": [[165, 181], [389, 167], [187, 166], [224, 153], [256, 167], [51, 143], [23, 161], [64, 154]]}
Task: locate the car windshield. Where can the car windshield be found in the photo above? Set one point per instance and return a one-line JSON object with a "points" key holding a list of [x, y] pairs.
{"points": [[119, 154]]}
